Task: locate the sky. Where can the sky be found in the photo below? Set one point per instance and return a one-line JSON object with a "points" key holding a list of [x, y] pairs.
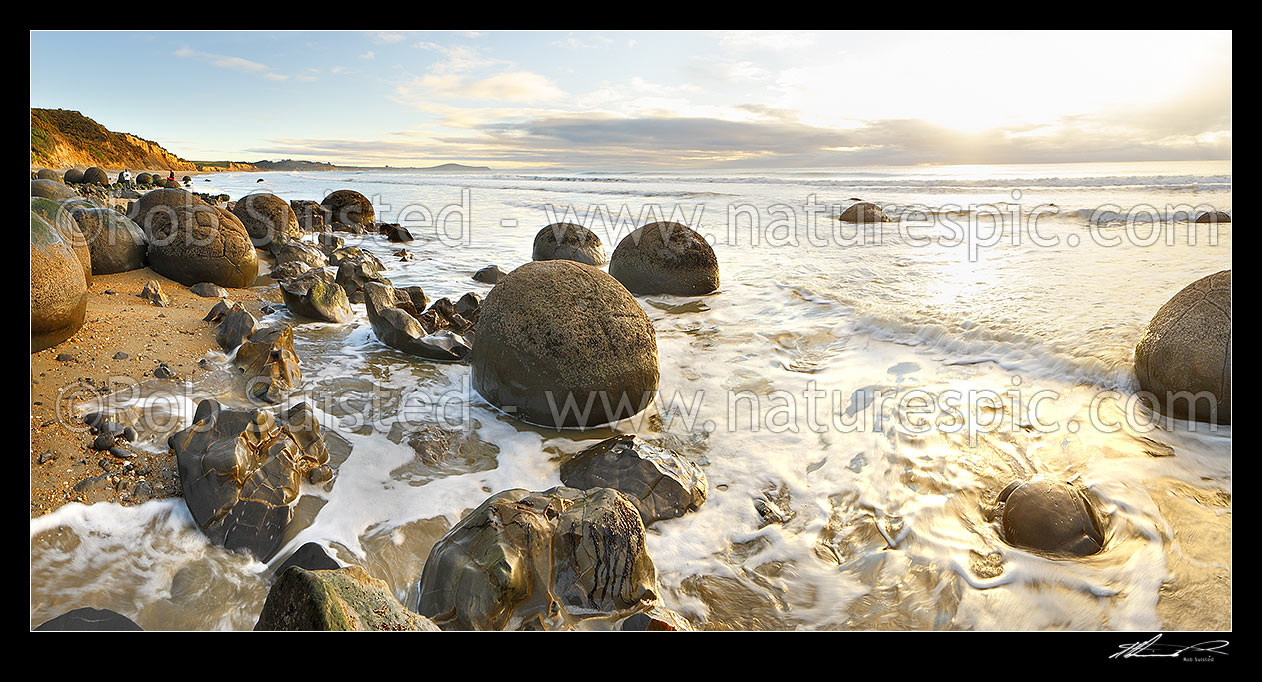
{"points": [[608, 100]]}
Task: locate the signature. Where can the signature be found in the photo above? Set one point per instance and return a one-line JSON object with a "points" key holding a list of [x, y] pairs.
{"points": [[1153, 649]]}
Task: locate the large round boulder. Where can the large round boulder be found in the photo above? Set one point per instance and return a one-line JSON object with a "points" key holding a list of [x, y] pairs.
{"points": [[562, 344], [864, 212], [267, 218], [546, 560], [160, 202], [350, 207], [48, 174], [567, 241], [116, 243], [51, 189], [1184, 355], [665, 258], [1214, 217], [57, 213], [200, 243], [1050, 515], [59, 292], [144, 179], [96, 176], [73, 176]]}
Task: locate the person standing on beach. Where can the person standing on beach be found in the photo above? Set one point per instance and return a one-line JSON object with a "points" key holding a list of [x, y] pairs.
{"points": [[127, 179]]}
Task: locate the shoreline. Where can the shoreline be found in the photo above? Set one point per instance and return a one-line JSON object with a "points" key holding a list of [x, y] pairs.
{"points": [[63, 466]]}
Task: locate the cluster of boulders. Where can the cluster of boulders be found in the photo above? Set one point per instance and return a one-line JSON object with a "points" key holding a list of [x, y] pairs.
{"points": [[405, 320], [265, 356]]}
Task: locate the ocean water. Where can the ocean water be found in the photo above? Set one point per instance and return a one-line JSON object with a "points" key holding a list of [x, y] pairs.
{"points": [[878, 385]]}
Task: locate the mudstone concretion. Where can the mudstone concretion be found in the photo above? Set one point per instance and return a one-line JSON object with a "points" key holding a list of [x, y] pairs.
{"points": [[57, 213], [287, 270], [48, 174], [355, 275], [665, 258], [311, 215], [301, 252], [1214, 217], [559, 559], [396, 316], [1051, 516], [96, 176], [491, 274], [349, 207], [270, 363], [660, 483], [235, 324], [312, 557], [59, 292], [51, 189], [162, 201], [267, 218], [200, 243], [315, 294], [567, 241], [74, 176], [241, 471], [336, 599], [557, 334], [863, 212], [116, 243], [88, 619], [1186, 350]]}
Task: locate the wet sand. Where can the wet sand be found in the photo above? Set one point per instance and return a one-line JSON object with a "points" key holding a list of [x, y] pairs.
{"points": [[64, 467]]}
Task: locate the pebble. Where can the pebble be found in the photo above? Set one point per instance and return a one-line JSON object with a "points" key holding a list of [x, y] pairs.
{"points": [[105, 441], [120, 355], [120, 453], [47, 456], [130, 434], [110, 292], [65, 357], [164, 372]]}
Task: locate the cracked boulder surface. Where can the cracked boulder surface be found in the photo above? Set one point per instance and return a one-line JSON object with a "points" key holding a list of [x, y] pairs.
{"points": [[269, 363], [115, 242], [241, 471], [59, 292], [660, 483], [316, 295], [397, 321], [336, 600], [267, 218], [665, 258], [562, 344], [198, 243], [1051, 516], [349, 207], [1186, 350], [311, 215], [553, 560], [58, 214]]}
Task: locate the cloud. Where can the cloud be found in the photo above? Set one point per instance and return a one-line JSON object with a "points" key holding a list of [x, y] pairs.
{"points": [[517, 86], [574, 43], [367, 55], [236, 64]]}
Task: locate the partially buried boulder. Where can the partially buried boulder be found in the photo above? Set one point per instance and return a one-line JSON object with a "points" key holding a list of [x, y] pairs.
{"points": [[1184, 356], [59, 292], [350, 207], [315, 294], [74, 176], [863, 212], [491, 274], [558, 559], [567, 241], [660, 483], [88, 619], [665, 258], [396, 314], [241, 472], [200, 243], [1214, 217], [48, 174], [562, 344], [267, 218], [336, 599], [96, 176], [116, 243], [1050, 516], [51, 189]]}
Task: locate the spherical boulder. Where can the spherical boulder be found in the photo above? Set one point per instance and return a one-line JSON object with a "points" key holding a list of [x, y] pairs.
{"points": [[88, 619], [1050, 515], [144, 179], [117, 244], [160, 202], [73, 176], [267, 218], [863, 212], [1184, 356], [96, 176], [57, 213], [195, 244], [59, 291], [562, 344], [51, 189], [48, 174], [349, 206], [665, 258], [567, 241]]}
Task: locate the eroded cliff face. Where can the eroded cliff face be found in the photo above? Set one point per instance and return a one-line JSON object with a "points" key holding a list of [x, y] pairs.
{"points": [[66, 139]]}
